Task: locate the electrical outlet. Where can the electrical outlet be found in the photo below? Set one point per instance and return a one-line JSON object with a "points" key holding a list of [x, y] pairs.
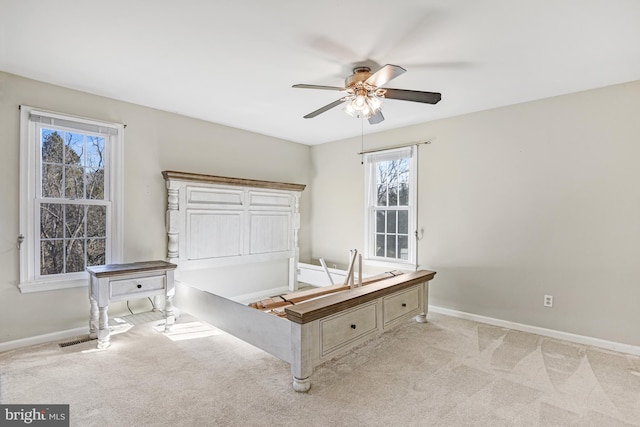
{"points": [[548, 300]]}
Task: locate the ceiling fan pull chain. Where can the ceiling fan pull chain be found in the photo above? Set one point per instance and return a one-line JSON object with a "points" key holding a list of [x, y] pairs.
{"points": [[362, 140]]}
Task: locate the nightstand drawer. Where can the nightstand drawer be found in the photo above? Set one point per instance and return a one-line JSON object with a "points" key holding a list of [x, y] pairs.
{"points": [[345, 328], [401, 304], [137, 288]]}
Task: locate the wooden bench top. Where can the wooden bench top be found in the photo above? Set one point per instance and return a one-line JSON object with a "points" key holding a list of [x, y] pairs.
{"points": [[334, 303], [134, 267]]}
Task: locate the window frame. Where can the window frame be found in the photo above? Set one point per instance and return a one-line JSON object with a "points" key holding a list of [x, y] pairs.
{"points": [[30, 197], [370, 160]]}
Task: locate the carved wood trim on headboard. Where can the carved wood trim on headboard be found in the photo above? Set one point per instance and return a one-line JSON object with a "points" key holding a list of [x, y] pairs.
{"points": [[215, 221], [241, 182]]}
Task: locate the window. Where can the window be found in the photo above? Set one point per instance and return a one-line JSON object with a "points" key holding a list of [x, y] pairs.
{"points": [[390, 218], [70, 207]]}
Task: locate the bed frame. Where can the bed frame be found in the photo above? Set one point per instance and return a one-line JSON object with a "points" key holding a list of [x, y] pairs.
{"points": [[216, 222]]}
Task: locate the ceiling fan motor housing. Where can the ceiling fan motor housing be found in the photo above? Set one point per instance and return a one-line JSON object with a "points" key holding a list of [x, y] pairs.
{"points": [[360, 74]]}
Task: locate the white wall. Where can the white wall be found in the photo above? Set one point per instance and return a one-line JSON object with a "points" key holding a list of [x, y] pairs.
{"points": [[516, 202], [154, 141]]}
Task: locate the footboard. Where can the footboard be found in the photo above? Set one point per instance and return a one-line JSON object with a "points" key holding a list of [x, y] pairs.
{"points": [[326, 327], [319, 329]]}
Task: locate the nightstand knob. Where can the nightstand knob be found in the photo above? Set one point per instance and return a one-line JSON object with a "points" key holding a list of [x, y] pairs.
{"points": [[353, 326], [139, 285], [404, 304]]}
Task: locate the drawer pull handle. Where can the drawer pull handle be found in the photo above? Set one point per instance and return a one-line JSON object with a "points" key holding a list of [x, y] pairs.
{"points": [[139, 285], [353, 326], [404, 304]]}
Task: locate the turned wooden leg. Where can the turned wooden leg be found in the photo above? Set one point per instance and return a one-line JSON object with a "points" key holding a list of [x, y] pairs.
{"points": [[93, 319], [169, 316], [301, 361], [422, 317], [103, 329], [157, 300], [302, 385]]}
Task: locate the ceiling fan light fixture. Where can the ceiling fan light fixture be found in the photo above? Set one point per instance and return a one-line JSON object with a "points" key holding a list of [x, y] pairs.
{"points": [[348, 108], [359, 102], [375, 102], [363, 105]]}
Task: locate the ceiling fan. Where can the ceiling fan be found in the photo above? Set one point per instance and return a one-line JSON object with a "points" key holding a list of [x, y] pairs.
{"points": [[365, 95]]}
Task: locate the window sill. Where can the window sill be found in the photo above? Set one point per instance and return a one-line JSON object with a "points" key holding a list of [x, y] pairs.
{"points": [[49, 285], [393, 265]]}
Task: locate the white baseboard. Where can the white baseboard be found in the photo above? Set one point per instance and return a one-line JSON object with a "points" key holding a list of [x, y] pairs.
{"points": [[552, 333], [41, 339]]}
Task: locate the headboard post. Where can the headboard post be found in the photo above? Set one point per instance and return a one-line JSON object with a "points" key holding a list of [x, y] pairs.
{"points": [[293, 261], [172, 220]]}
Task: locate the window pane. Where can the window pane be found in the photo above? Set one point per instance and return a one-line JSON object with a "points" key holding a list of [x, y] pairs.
{"points": [[403, 166], [395, 167], [74, 153], [51, 220], [96, 221], [403, 222], [95, 152], [74, 221], [381, 173], [96, 252], [403, 247], [380, 220], [404, 194], [95, 184], [391, 221], [51, 146], [73, 183], [393, 196], [51, 180], [382, 195], [51, 257], [391, 246], [379, 244], [75, 255]]}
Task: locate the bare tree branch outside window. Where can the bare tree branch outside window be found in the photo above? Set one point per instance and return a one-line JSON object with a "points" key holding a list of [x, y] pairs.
{"points": [[72, 231], [391, 211]]}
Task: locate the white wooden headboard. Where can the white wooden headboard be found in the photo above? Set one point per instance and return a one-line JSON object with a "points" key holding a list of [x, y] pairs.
{"points": [[215, 221]]}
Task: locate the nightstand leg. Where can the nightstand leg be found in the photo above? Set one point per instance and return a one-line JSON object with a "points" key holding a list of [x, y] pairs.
{"points": [[103, 331], [169, 316], [93, 319]]}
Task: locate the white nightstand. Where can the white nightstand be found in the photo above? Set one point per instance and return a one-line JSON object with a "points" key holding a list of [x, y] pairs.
{"points": [[118, 282]]}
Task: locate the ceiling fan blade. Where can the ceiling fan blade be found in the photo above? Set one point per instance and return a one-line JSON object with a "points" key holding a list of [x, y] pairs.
{"points": [[376, 118], [303, 86], [325, 108], [384, 74], [413, 95]]}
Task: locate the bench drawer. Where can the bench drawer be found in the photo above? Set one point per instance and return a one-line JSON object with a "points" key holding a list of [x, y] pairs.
{"points": [[402, 304], [345, 328]]}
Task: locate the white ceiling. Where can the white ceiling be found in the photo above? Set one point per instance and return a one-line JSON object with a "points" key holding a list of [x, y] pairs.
{"points": [[233, 62]]}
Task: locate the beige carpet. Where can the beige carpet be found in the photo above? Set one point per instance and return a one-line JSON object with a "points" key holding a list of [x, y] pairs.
{"points": [[449, 372]]}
